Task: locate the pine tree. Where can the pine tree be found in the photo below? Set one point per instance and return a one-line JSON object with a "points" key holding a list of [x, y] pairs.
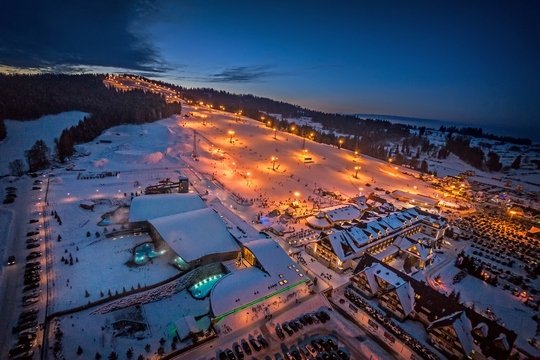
{"points": [[516, 164], [38, 156]]}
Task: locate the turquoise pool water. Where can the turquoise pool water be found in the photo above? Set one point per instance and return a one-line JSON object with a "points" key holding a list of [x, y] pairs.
{"points": [[203, 287], [145, 252]]}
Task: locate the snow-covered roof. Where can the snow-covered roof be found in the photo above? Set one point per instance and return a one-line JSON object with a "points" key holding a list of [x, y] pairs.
{"points": [[245, 286], [318, 222], [358, 235], [402, 288], [149, 207], [343, 213], [393, 221], [462, 327], [196, 233], [185, 326], [342, 245]]}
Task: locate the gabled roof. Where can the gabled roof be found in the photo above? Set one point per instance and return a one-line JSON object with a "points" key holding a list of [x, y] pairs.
{"points": [[441, 306], [462, 326], [395, 283]]}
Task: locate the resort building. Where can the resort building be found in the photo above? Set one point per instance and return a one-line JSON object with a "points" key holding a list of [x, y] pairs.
{"points": [[268, 281], [457, 331], [412, 232]]}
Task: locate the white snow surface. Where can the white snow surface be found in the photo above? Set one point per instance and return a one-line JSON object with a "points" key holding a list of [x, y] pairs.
{"points": [[21, 135], [195, 234], [154, 206]]}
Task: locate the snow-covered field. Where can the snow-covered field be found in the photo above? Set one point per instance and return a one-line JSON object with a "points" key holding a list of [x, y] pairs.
{"points": [[21, 135], [95, 332], [143, 155]]}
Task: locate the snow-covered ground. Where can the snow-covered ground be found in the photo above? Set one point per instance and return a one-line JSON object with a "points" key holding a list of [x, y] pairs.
{"points": [[140, 155], [21, 135], [95, 332], [508, 308]]}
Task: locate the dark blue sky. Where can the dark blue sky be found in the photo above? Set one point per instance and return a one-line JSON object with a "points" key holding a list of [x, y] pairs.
{"points": [[472, 61]]}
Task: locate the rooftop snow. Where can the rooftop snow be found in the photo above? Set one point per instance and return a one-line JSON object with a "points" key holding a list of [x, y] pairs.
{"points": [[246, 285], [195, 234], [154, 206]]}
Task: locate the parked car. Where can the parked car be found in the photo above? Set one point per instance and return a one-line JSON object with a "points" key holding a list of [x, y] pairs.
{"points": [[30, 301], [246, 347], [17, 350], [263, 341], [255, 344], [29, 312], [30, 287], [238, 351], [279, 332], [32, 264], [32, 280], [32, 233], [32, 246], [33, 255], [230, 354], [11, 260]]}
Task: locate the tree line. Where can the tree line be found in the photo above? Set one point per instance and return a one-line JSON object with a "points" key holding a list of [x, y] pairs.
{"points": [[26, 97]]}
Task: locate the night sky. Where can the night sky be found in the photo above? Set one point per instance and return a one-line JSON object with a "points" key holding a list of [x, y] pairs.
{"points": [[475, 62]]}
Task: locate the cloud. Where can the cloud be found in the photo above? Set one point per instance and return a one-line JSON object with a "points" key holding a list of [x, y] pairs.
{"points": [[242, 74], [77, 34]]}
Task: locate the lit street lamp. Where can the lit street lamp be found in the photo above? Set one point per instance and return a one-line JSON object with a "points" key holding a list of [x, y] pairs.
{"points": [[275, 133], [340, 142], [356, 169], [248, 175], [231, 134], [296, 196], [274, 159]]}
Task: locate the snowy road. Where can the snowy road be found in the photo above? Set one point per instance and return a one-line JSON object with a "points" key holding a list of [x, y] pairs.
{"points": [[21, 211]]}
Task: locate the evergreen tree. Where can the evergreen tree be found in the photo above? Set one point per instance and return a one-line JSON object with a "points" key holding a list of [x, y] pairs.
{"points": [[516, 164], [38, 156], [424, 167], [493, 162]]}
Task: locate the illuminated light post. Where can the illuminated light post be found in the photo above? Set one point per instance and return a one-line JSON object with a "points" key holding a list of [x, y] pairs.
{"points": [[248, 178], [296, 196], [340, 143], [356, 153], [231, 135], [275, 133], [356, 169], [274, 159]]}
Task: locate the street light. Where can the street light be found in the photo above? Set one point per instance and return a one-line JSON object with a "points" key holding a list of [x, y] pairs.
{"points": [[356, 168], [296, 195], [340, 142], [231, 134], [248, 174], [275, 133], [274, 159]]}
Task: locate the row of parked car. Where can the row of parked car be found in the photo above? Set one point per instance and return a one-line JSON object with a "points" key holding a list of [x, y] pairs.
{"points": [[298, 324], [321, 349], [240, 350], [27, 324]]}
